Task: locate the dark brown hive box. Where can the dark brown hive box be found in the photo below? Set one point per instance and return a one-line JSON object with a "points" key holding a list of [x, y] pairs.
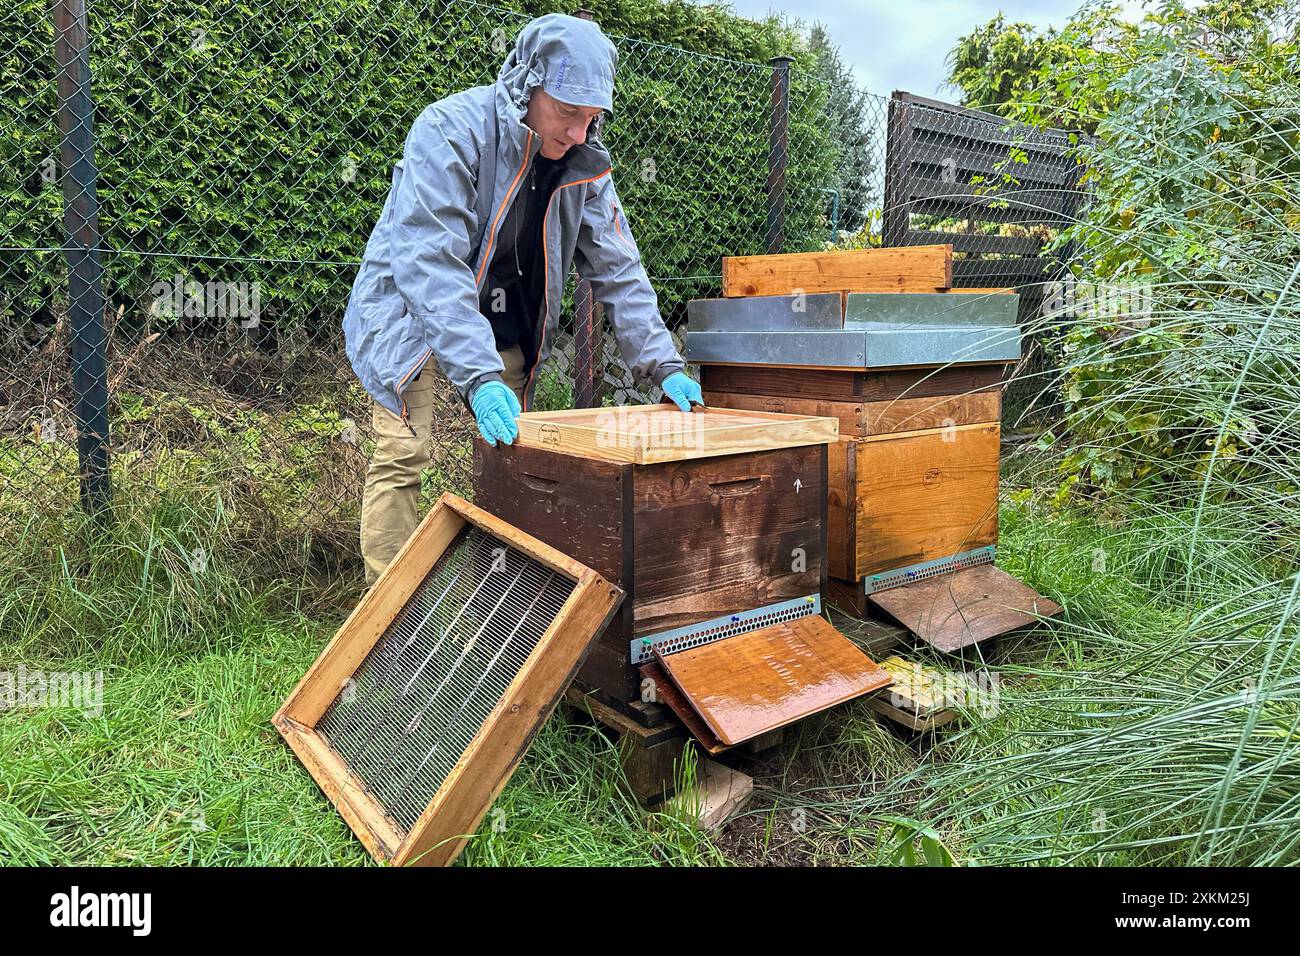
{"points": [[721, 520]]}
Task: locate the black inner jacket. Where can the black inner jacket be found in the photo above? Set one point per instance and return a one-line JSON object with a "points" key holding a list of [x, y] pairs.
{"points": [[518, 265]]}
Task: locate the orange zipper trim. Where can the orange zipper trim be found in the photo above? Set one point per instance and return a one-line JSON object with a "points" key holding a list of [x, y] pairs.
{"points": [[546, 280], [487, 253], [487, 256], [613, 208]]}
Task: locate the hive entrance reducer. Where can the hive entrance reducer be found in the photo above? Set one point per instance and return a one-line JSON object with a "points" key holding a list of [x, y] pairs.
{"points": [[415, 715]]}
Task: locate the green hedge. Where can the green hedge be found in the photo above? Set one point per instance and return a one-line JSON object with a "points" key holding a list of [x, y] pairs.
{"points": [[255, 141]]}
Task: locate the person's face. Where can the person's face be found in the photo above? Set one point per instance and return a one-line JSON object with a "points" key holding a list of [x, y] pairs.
{"points": [[560, 125]]}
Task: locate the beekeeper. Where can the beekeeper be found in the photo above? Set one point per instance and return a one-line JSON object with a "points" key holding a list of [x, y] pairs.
{"points": [[500, 189]]}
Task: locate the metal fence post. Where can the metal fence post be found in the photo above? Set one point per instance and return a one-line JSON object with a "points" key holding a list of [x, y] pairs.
{"points": [[587, 330], [778, 151], [85, 271]]}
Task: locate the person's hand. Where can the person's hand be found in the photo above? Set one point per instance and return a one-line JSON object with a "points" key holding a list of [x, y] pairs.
{"points": [[495, 408], [683, 390]]}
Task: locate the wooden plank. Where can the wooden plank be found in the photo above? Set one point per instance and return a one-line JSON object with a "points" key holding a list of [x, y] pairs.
{"points": [[719, 794], [465, 795], [953, 611], [1016, 272], [621, 722], [907, 719], [859, 419], [847, 597], [1007, 204], [883, 385], [898, 269], [962, 158], [725, 535], [923, 495], [841, 509], [752, 683], [944, 116], [875, 636], [650, 434], [980, 243]]}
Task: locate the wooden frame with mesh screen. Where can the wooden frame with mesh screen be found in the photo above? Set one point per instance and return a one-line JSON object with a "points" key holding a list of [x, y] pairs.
{"points": [[421, 707]]}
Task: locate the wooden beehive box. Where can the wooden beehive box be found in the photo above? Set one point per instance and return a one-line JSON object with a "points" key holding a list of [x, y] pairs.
{"points": [[695, 516], [914, 378], [906, 498], [914, 474]]}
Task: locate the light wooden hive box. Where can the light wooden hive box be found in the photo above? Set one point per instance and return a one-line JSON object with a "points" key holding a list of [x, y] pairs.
{"points": [[420, 708], [705, 517], [913, 477]]}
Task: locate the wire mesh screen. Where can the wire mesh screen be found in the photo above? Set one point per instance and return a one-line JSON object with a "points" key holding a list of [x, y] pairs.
{"points": [[405, 718]]}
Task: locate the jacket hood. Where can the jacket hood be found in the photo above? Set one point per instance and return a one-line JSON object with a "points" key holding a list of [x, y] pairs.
{"points": [[569, 57]]}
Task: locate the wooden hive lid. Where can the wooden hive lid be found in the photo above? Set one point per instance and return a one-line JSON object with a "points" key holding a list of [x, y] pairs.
{"points": [[650, 434]]}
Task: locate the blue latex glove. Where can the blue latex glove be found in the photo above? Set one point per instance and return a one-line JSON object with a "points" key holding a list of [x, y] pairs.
{"points": [[683, 390], [495, 408]]}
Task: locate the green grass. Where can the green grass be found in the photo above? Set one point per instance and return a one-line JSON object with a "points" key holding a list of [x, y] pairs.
{"points": [[1121, 736], [1154, 722], [183, 767]]}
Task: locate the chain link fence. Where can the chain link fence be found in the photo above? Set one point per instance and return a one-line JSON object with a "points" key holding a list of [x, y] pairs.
{"points": [[243, 152]]}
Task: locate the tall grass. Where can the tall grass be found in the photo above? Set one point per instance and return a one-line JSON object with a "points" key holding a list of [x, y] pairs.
{"points": [[182, 764], [1159, 720]]}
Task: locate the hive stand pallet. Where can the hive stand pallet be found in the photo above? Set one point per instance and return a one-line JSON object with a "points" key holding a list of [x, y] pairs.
{"points": [[651, 758], [915, 700]]}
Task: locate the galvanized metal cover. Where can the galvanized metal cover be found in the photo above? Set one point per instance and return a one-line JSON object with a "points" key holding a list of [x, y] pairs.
{"points": [[890, 310], [871, 346], [766, 313]]}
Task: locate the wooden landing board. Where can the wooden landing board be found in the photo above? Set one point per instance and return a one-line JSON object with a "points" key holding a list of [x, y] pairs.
{"points": [[749, 684], [898, 269], [665, 692], [651, 434], [953, 611]]}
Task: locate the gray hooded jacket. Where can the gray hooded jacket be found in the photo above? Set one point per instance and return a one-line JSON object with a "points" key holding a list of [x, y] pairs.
{"points": [[417, 291]]}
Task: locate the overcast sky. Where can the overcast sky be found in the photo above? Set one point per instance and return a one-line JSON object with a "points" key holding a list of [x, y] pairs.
{"points": [[901, 44]]}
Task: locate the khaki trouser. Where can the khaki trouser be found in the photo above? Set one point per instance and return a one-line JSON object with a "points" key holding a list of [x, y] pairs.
{"points": [[390, 504]]}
